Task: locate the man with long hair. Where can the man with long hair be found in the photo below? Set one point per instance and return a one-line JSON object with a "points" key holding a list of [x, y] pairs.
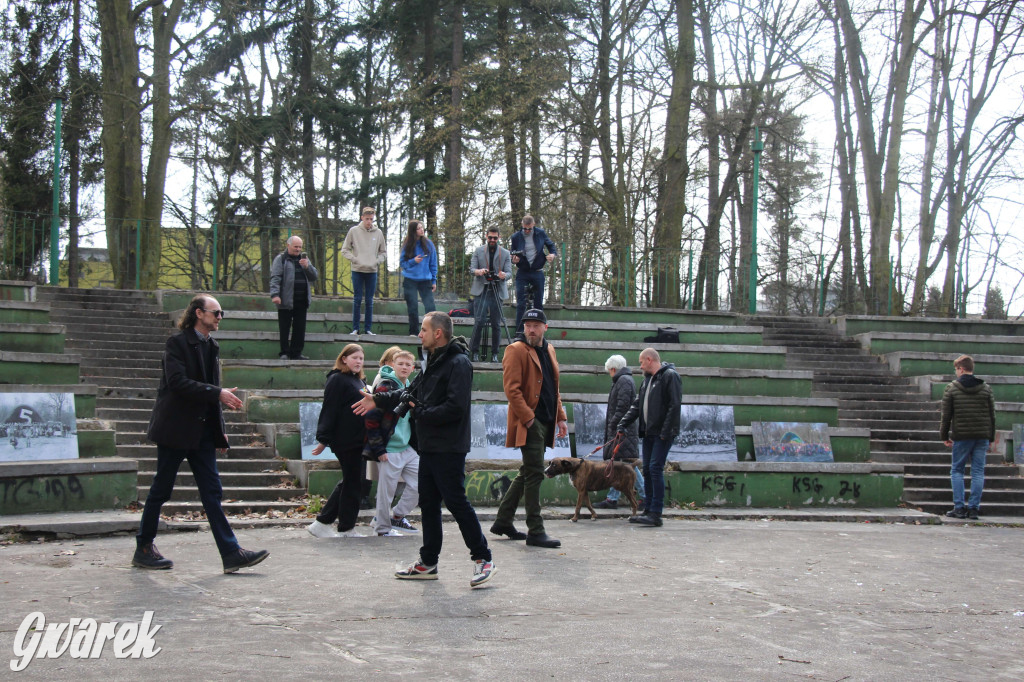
{"points": [[188, 423]]}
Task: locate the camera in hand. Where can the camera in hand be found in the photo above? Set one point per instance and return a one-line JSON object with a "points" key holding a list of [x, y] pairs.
{"points": [[405, 404], [519, 254], [491, 276]]}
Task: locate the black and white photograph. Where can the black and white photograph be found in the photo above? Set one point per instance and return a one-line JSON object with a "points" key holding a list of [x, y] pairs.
{"points": [[309, 415], [589, 419], [707, 433], [791, 442], [487, 438], [37, 426]]}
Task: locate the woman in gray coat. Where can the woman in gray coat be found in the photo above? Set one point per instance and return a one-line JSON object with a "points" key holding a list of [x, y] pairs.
{"points": [[620, 397]]}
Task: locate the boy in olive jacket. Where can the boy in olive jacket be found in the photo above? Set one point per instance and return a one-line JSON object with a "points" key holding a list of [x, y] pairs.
{"points": [[969, 426]]}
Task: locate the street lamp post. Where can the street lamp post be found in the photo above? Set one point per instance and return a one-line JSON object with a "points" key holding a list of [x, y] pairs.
{"points": [[757, 146]]}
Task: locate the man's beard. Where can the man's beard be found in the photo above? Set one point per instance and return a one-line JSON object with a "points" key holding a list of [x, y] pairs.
{"points": [[536, 342]]}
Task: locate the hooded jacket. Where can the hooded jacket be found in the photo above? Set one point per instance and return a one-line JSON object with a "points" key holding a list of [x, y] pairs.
{"points": [[663, 411], [968, 410], [385, 433], [364, 248], [339, 428], [620, 398]]}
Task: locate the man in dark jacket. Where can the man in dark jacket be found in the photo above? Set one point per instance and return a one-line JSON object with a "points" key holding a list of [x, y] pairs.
{"points": [[187, 423], [969, 426], [657, 407], [440, 399], [530, 242], [291, 290]]}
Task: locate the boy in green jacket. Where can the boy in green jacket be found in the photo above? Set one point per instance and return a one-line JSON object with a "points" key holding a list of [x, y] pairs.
{"points": [[969, 426]]}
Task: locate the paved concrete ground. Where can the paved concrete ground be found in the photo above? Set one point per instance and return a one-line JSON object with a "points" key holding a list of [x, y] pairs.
{"points": [[721, 600]]}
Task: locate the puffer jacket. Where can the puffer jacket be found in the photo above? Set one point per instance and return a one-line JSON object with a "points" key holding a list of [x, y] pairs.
{"points": [[619, 399], [968, 410]]}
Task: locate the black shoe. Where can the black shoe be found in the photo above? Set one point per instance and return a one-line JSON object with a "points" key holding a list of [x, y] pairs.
{"points": [[957, 513], [972, 513], [148, 556], [542, 540], [367, 503], [243, 558], [607, 504], [648, 519], [508, 530]]}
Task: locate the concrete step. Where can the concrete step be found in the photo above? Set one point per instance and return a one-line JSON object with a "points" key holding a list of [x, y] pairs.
{"points": [[247, 438], [939, 481], [129, 378], [129, 412], [174, 507], [132, 355], [234, 479], [186, 493], [878, 445], [864, 392], [109, 350], [987, 509], [72, 293], [135, 427], [91, 306], [825, 380], [994, 466], [918, 424], [877, 409], [908, 458], [141, 451], [224, 466], [911, 435], [990, 495]]}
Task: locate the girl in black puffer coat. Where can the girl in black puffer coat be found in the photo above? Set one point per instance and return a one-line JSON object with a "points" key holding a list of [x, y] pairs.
{"points": [[620, 397]]}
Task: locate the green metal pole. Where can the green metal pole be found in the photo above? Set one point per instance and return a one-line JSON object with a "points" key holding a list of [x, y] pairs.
{"points": [[55, 218], [561, 272], [757, 146], [890, 286], [821, 275], [213, 284], [689, 281], [138, 252]]}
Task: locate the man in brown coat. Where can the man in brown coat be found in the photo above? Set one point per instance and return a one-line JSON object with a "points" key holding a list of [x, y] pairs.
{"points": [[530, 377]]}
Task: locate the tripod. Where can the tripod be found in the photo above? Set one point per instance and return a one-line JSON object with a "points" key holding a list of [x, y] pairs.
{"points": [[491, 286]]}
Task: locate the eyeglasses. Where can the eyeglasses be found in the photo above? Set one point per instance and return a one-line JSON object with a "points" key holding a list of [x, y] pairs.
{"points": [[492, 239], [217, 313]]}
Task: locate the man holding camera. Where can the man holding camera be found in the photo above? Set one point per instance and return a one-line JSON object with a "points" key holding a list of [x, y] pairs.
{"points": [[530, 378], [491, 267], [528, 246], [440, 401], [291, 290]]}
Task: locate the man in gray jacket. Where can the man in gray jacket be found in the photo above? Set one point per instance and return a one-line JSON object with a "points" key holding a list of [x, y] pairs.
{"points": [[491, 267], [291, 290], [968, 426]]}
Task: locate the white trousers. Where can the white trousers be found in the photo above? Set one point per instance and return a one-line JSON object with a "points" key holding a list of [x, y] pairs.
{"points": [[405, 466]]}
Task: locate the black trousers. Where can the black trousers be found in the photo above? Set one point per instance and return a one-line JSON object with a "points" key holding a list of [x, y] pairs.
{"points": [[293, 321], [443, 478], [343, 504]]}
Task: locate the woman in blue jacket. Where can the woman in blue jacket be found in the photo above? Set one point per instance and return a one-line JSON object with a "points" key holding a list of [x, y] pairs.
{"points": [[419, 272]]}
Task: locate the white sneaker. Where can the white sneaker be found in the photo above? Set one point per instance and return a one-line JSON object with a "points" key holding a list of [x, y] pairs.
{"points": [[321, 530], [391, 534], [369, 333], [482, 572], [352, 533]]}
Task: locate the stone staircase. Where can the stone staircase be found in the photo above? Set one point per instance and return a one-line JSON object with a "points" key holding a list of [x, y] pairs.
{"points": [[120, 336], [904, 422]]}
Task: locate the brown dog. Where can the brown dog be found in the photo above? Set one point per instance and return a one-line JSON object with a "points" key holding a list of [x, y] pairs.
{"points": [[590, 476]]}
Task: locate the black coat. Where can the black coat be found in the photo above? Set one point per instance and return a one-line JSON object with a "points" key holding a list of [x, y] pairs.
{"points": [[183, 398], [666, 396], [339, 428], [619, 400], [443, 394]]}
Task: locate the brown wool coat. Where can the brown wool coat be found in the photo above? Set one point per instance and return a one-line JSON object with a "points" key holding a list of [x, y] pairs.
{"points": [[521, 375]]}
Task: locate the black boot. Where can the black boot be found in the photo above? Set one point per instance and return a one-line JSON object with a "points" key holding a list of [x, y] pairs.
{"points": [[648, 519]]}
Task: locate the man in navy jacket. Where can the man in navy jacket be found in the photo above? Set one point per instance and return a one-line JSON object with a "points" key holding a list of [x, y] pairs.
{"points": [[531, 242]]}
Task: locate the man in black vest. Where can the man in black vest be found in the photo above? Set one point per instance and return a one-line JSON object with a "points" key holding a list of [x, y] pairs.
{"points": [[187, 423]]}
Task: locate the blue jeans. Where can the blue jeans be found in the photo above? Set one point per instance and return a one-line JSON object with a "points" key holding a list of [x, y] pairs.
{"points": [[203, 462], [412, 287], [655, 453], [973, 450], [523, 277], [443, 478], [613, 494], [363, 286]]}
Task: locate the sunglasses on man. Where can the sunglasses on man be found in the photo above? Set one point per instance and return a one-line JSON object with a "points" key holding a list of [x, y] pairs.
{"points": [[216, 313]]}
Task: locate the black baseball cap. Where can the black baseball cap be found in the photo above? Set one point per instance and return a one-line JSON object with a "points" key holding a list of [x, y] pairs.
{"points": [[534, 315]]}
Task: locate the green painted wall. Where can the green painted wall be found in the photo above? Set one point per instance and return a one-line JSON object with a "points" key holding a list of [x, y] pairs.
{"points": [[15, 291], [915, 367], [912, 325], [67, 492], [978, 346], [18, 372], [24, 315], [1004, 393], [96, 444], [32, 342], [712, 489]]}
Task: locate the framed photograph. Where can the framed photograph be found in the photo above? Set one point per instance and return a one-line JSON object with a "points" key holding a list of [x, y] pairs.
{"points": [[37, 426], [791, 442], [309, 415], [707, 433], [1018, 443], [487, 439], [589, 419]]}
